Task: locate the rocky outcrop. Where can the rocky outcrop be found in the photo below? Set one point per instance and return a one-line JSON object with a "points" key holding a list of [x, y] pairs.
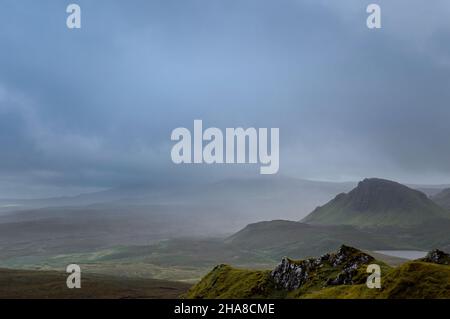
{"points": [[437, 257], [290, 275]]}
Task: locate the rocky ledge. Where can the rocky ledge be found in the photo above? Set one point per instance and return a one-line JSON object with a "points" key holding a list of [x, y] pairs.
{"points": [[437, 257], [292, 275]]}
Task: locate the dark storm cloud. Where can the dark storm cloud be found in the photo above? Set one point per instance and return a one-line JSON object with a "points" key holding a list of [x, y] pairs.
{"points": [[95, 107]]}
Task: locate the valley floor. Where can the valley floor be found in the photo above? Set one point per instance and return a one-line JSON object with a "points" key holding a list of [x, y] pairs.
{"points": [[29, 284]]}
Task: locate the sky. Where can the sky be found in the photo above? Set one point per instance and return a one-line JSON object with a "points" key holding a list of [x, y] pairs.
{"points": [[94, 108]]}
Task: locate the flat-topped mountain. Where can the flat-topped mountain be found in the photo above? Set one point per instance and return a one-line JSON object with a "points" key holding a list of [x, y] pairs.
{"points": [[378, 202]]}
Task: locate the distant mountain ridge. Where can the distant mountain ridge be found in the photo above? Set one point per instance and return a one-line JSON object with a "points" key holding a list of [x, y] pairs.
{"points": [[252, 199], [378, 202], [279, 238]]}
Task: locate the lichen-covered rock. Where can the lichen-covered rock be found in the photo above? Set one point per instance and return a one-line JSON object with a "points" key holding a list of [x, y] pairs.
{"points": [[437, 257], [292, 275]]}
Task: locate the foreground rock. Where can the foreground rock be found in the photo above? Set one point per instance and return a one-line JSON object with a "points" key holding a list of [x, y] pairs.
{"points": [[291, 275], [437, 257], [341, 274]]}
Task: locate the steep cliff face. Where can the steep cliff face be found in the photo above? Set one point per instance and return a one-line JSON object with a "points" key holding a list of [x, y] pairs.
{"points": [[340, 268]]}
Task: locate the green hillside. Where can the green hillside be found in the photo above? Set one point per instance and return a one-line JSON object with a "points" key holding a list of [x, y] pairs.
{"points": [[280, 238], [289, 279], [377, 202], [225, 281], [412, 280], [443, 198], [337, 275]]}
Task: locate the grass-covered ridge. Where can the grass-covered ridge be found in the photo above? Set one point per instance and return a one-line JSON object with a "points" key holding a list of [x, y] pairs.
{"points": [[413, 280], [335, 275], [225, 281]]}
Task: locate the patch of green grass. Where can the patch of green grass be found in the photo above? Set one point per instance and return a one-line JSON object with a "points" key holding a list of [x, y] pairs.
{"points": [[413, 280], [227, 282]]}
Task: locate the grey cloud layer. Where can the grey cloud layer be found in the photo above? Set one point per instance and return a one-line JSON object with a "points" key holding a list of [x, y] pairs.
{"points": [[95, 107]]}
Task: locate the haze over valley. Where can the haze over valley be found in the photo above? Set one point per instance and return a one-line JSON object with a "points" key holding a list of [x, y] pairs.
{"points": [[181, 233]]}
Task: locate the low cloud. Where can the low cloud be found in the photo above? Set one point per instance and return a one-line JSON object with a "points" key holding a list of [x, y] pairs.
{"points": [[95, 107]]}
